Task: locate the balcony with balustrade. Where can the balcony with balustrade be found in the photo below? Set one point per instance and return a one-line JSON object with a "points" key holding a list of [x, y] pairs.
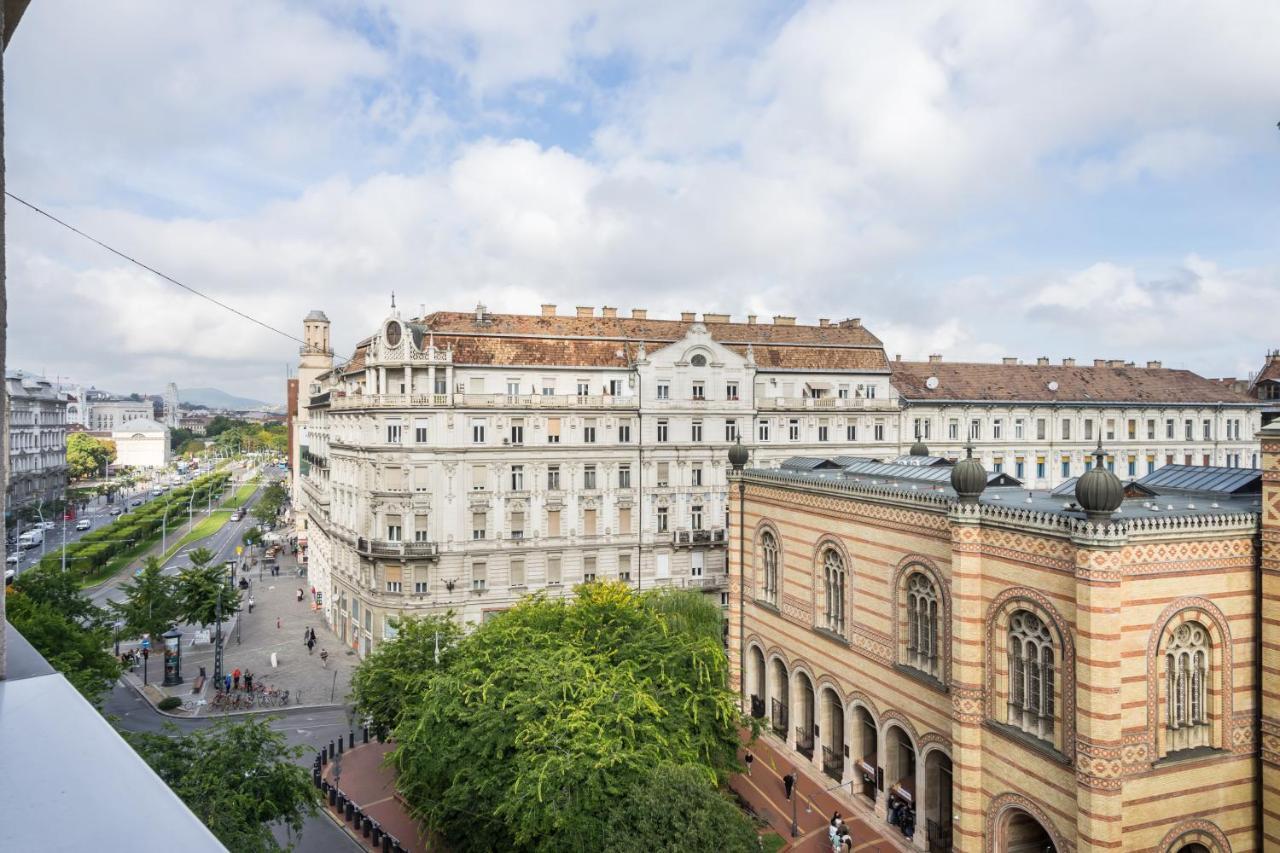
{"points": [[699, 538], [397, 550]]}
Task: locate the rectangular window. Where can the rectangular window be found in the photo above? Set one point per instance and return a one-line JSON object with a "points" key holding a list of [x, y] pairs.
{"points": [[1066, 467], [1041, 429], [1040, 468], [589, 431], [624, 431], [822, 431], [997, 429], [517, 478], [517, 430], [1019, 429], [1133, 466], [517, 525], [553, 430], [699, 391], [851, 432], [588, 522], [953, 429], [513, 388], [624, 567], [549, 386], [584, 388], [662, 431], [421, 587], [1151, 464], [553, 478], [517, 573], [553, 522], [624, 519], [695, 517], [393, 586], [1131, 429], [1066, 430], [479, 478], [624, 475], [588, 568], [421, 528], [553, 570], [878, 430], [695, 431], [975, 429], [1187, 459], [997, 464], [1019, 468], [1207, 430], [393, 432], [479, 577], [696, 475], [871, 392], [662, 519], [615, 387], [1168, 428], [479, 521], [442, 385], [1151, 429], [731, 430], [664, 391], [793, 429], [588, 476], [731, 391], [1188, 431], [420, 430], [664, 474], [477, 431], [842, 392], [1206, 461], [762, 430], [1088, 429], [395, 528]]}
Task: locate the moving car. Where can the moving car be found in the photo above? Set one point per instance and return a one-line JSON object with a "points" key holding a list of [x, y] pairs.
{"points": [[30, 539], [136, 502], [13, 559], [84, 524], [115, 510], [46, 525]]}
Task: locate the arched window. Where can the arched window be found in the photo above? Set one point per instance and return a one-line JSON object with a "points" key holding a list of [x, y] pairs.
{"points": [[769, 567], [1186, 675], [1031, 675], [922, 624], [833, 590], [698, 360]]}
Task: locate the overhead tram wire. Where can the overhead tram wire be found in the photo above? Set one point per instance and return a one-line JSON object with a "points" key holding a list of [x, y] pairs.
{"points": [[153, 270]]}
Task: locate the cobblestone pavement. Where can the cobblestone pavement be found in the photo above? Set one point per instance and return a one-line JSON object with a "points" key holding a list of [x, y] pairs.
{"points": [[275, 626]]}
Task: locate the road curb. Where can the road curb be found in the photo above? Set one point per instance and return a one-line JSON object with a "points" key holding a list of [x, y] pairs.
{"points": [[137, 688]]}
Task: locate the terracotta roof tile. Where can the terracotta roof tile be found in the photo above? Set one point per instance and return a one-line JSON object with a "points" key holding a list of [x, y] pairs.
{"points": [[1030, 382]]}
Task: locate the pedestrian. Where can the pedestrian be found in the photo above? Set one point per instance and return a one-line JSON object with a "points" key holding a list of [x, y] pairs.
{"points": [[277, 623], [299, 594], [235, 677], [311, 644], [833, 828], [306, 634], [248, 681], [324, 658], [846, 840], [226, 683], [789, 784], [251, 604], [750, 759]]}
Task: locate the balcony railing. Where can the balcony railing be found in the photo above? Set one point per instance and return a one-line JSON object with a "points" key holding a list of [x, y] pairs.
{"points": [[388, 401], [804, 741], [765, 402], [708, 582], [404, 550], [778, 718], [832, 763], [545, 401], [690, 538]]}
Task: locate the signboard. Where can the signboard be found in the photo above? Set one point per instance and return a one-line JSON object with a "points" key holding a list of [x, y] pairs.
{"points": [[201, 637], [146, 642], [239, 550]]}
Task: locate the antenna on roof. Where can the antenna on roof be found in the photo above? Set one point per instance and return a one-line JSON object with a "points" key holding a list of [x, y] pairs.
{"points": [[393, 300]]}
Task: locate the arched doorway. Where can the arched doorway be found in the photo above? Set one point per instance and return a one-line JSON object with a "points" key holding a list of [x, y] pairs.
{"points": [[865, 744], [900, 779], [779, 687], [1022, 833], [832, 729], [937, 800], [1194, 847], [804, 715], [755, 681]]}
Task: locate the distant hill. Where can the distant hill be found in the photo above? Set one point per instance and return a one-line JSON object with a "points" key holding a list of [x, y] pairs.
{"points": [[213, 398]]}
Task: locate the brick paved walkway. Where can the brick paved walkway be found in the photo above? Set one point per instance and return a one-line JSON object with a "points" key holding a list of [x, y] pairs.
{"points": [[371, 786], [764, 792]]}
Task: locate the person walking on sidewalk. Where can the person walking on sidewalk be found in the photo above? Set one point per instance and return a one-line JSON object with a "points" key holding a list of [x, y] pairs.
{"points": [[789, 784], [324, 658], [750, 759], [226, 683], [248, 681], [235, 677]]}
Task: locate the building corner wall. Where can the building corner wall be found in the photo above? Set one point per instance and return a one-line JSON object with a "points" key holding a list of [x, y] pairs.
{"points": [[1269, 570]]}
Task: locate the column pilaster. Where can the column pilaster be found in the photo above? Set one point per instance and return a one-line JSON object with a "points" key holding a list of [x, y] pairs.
{"points": [[968, 642]]}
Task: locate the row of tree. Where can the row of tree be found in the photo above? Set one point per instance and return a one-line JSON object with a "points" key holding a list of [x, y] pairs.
{"points": [[88, 456], [603, 723]]}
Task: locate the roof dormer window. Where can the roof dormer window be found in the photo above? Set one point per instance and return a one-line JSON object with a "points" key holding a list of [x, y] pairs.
{"points": [[698, 360]]}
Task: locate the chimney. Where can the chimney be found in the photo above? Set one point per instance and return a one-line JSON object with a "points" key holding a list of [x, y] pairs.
{"points": [[586, 311], [688, 316], [824, 322], [639, 314], [751, 319], [1009, 359], [1116, 362], [480, 311], [606, 311], [935, 358], [897, 356], [1154, 365], [851, 323], [783, 320], [1273, 356], [1099, 362], [714, 318], [548, 310], [1068, 362], [1042, 361]]}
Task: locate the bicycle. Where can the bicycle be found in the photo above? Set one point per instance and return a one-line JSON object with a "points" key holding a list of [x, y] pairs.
{"points": [[193, 704]]}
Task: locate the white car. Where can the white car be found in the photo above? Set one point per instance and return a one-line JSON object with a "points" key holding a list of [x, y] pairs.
{"points": [[13, 559], [84, 524], [46, 525]]}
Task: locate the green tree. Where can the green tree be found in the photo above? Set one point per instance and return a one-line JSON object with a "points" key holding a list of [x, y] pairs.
{"points": [[150, 605], [676, 809], [179, 436], [238, 777], [76, 650], [544, 716], [270, 502], [47, 585], [87, 455], [199, 588], [381, 684]]}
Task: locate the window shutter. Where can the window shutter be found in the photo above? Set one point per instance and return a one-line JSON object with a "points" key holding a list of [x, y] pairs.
{"points": [[393, 574], [624, 520], [553, 568], [589, 522], [517, 573], [553, 522], [553, 426]]}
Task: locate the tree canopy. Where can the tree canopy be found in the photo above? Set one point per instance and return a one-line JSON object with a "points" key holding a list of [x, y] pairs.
{"points": [[86, 455], [674, 810], [239, 777], [199, 588], [381, 684], [270, 502], [542, 718], [150, 603]]}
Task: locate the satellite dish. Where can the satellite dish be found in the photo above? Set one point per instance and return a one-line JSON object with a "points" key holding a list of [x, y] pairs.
{"points": [[931, 382], [1053, 385]]}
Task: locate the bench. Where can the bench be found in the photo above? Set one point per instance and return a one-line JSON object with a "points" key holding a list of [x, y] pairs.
{"points": [[198, 684]]}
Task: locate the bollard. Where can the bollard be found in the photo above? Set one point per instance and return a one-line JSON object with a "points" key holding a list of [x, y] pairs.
{"points": [[315, 778], [339, 744], [324, 757], [350, 811], [364, 734], [376, 838], [342, 801], [351, 740], [333, 796], [331, 749], [366, 827], [386, 844]]}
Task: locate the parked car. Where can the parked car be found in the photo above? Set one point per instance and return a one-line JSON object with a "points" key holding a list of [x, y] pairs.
{"points": [[30, 539], [157, 491], [84, 524], [136, 502], [46, 525], [115, 510], [13, 559], [9, 575]]}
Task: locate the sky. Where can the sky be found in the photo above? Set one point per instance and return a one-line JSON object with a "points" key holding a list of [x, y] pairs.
{"points": [[976, 179]]}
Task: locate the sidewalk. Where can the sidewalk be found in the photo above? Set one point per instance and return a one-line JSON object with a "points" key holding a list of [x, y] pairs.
{"points": [[764, 792], [371, 786], [276, 626]]}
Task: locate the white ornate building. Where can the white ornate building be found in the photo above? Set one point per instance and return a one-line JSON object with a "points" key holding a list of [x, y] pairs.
{"points": [[142, 443], [37, 441], [460, 460]]}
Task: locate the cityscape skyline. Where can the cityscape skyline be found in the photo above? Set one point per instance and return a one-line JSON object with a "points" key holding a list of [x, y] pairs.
{"points": [[585, 154]]}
